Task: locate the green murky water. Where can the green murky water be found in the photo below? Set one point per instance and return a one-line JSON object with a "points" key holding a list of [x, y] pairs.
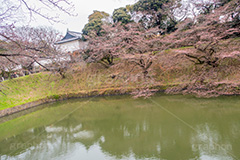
{"points": [[163, 127]]}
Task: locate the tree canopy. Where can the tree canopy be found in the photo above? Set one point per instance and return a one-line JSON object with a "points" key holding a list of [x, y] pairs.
{"points": [[97, 15], [95, 22], [149, 5], [121, 15], [158, 13]]}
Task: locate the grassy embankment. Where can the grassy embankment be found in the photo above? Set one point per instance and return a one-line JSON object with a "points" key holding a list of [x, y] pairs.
{"points": [[170, 67], [86, 80]]}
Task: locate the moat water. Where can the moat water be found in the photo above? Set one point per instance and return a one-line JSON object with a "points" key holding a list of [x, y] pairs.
{"points": [[120, 127]]}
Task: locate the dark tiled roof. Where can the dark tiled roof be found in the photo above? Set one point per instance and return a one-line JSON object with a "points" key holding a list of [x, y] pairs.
{"points": [[70, 36]]}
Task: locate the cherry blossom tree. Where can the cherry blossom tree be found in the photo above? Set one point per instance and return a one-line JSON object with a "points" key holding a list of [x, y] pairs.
{"points": [[24, 47], [206, 56], [121, 41], [131, 43]]}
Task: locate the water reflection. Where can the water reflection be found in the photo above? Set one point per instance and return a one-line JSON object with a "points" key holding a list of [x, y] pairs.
{"points": [[208, 143], [123, 128]]}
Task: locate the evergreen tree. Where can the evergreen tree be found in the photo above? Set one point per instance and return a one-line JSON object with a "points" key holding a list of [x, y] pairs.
{"points": [[95, 23], [121, 15]]}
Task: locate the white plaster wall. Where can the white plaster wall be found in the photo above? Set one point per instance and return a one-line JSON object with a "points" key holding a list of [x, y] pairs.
{"points": [[73, 46]]}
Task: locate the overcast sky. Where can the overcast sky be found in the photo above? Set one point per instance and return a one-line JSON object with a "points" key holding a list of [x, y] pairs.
{"points": [[83, 8]]}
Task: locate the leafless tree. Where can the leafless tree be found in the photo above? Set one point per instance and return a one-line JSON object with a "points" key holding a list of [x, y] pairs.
{"points": [[25, 46], [12, 11]]}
